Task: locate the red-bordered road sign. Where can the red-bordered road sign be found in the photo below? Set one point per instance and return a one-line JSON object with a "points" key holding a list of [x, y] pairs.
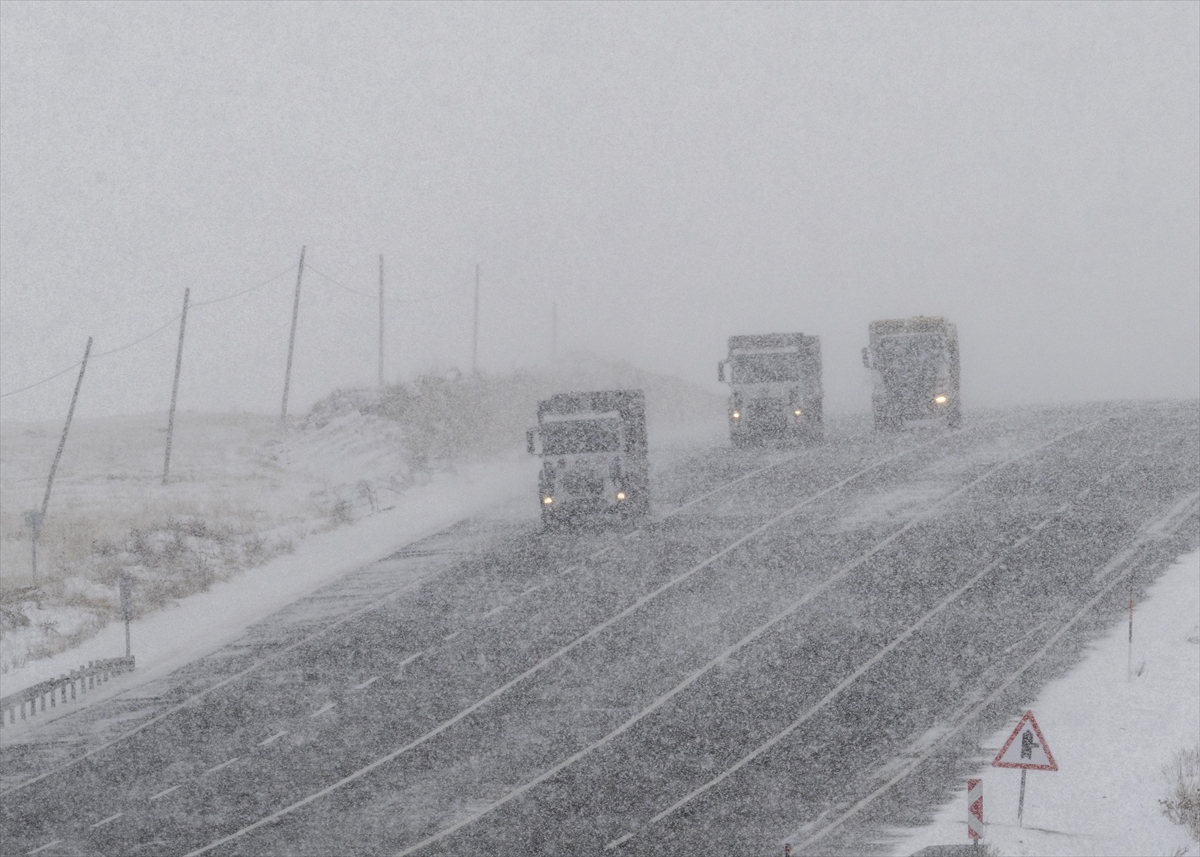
{"points": [[1030, 752]]}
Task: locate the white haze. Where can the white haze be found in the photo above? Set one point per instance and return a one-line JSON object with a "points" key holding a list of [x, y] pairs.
{"points": [[669, 174]]}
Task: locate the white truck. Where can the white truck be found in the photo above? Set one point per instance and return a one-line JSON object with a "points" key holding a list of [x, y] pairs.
{"points": [[914, 364], [774, 388], [593, 450]]}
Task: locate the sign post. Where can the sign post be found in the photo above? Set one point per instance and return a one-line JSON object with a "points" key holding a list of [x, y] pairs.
{"points": [[1031, 753], [975, 810], [126, 607]]}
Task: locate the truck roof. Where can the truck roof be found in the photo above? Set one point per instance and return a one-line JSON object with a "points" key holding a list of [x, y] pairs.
{"points": [[762, 341], [916, 324], [628, 403]]}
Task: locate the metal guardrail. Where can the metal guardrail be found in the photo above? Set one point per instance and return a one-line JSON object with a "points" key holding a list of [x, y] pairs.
{"points": [[56, 689]]}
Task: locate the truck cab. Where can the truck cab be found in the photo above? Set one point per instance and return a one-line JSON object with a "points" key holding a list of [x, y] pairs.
{"points": [[593, 451], [914, 367], [774, 388]]}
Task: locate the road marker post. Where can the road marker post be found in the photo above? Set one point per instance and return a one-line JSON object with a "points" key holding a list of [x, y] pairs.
{"points": [[975, 825], [1029, 755], [126, 606]]}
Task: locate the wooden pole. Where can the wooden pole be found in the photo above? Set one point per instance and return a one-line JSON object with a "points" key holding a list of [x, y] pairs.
{"points": [[475, 334], [175, 387], [287, 377], [380, 319], [37, 530]]}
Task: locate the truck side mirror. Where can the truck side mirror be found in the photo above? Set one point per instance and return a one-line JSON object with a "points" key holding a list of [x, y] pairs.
{"points": [[866, 358], [531, 441], [721, 371]]}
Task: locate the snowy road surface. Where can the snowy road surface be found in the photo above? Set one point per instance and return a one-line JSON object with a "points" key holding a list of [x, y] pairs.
{"points": [[800, 645]]}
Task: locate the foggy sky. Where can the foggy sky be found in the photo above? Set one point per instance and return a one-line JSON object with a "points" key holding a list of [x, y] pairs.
{"points": [[669, 174]]}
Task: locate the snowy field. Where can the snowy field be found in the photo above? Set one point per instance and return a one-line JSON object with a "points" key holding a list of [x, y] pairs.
{"points": [[1112, 731], [245, 493]]}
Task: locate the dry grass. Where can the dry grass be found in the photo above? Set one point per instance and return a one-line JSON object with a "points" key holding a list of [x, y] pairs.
{"points": [[1182, 804]]}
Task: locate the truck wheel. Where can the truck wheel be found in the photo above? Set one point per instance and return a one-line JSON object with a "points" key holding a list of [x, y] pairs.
{"points": [[954, 418]]}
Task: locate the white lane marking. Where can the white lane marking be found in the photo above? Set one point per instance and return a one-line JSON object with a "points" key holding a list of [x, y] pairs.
{"points": [[165, 792], [366, 683], [790, 609], [451, 635], [105, 821], [407, 661], [323, 709], [1151, 532], [617, 842], [222, 765], [374, 605], [493, 611], [829, 697], [274, 737], [568, 570], [578, 641], [44, 847]]}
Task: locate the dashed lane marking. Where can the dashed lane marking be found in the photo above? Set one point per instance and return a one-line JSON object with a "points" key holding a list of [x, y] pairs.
{"points": [[493, 611], [366, 683], [451, 635], [165, 792], [323, 709], [105, 821], [408, 661], [695, 676], [222, 765], [618, 841], [274, 737], [1152, 531], [578, 641], [44, 847]]}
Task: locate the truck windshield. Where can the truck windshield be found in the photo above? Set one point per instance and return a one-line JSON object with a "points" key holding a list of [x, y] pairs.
{"points": [[567, 437], [912, 358], [765, 367]]}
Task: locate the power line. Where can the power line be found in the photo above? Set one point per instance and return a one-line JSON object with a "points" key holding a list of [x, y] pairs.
{"points": [[424, 298], [287, 270], [169, 322]]}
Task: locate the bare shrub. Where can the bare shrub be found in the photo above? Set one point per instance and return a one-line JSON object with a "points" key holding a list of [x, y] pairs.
{"points": [[1182, 804]]}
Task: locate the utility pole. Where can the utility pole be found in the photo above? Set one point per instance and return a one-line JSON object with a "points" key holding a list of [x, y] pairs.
{"points": [[40, 517], [287, 377], [554, 330], [175, 387], [475, 335], [380, 319]]}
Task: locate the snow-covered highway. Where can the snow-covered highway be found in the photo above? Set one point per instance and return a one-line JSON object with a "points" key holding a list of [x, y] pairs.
{"points": [[799, 645]]}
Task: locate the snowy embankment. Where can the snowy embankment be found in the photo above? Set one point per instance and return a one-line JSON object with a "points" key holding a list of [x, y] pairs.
{"points": [[168, 638], [246, 493], [1114, 732]]}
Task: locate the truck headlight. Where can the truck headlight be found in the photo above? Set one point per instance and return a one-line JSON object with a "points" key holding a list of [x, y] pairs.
{"points": [[737, 415], [547, 500], [620, 495], [941, 400], [796, 412]]}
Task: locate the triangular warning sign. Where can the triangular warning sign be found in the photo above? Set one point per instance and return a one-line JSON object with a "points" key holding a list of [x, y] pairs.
{"points": [[1026, 748]]}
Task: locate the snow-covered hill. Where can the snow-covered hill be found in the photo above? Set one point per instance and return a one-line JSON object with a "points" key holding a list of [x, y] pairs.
{"points": [[244, 488]]}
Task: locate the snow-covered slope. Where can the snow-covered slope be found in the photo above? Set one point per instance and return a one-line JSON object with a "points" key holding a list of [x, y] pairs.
{"points": [[1111, 733], [245, 490]]}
